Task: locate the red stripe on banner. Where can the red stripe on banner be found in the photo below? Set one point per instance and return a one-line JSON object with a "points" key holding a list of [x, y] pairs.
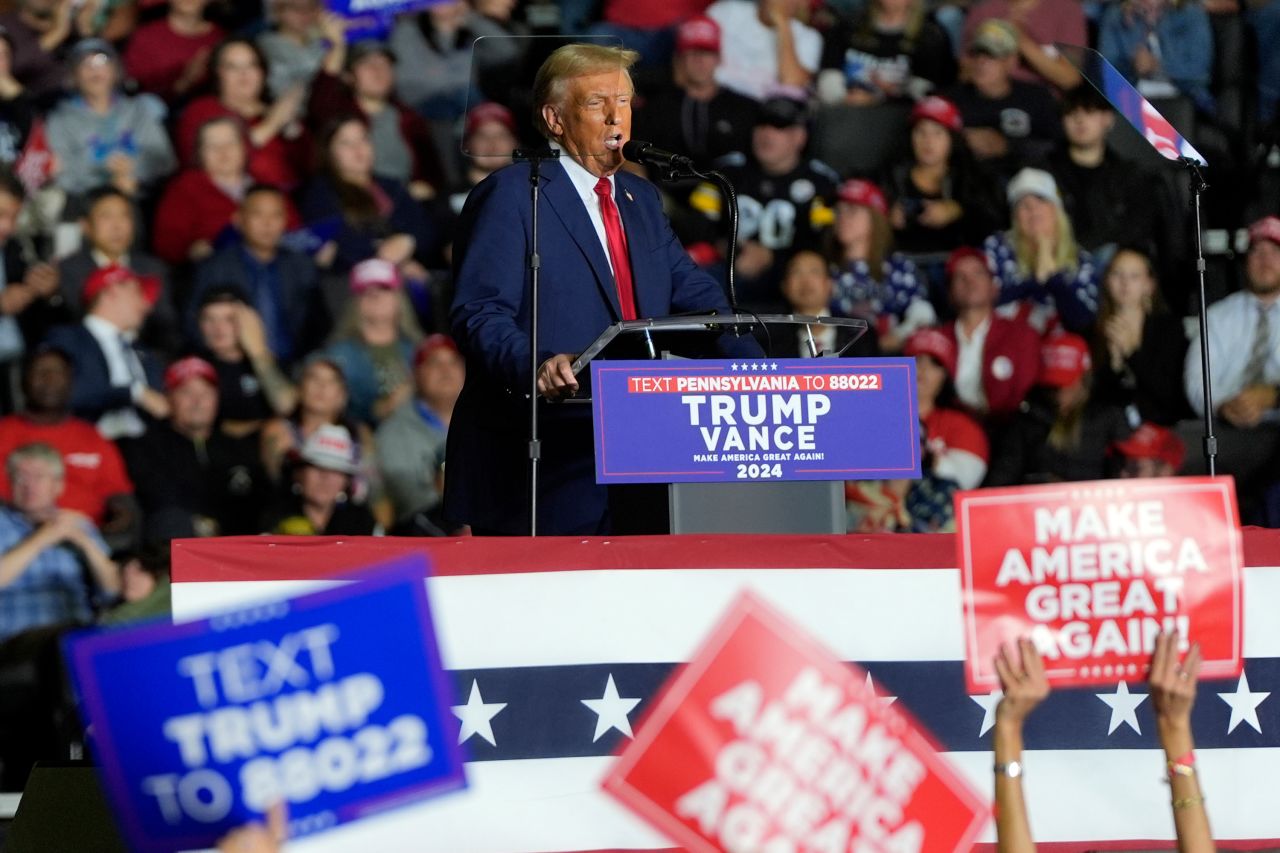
{"points": [[241, 558], [297, 558]]}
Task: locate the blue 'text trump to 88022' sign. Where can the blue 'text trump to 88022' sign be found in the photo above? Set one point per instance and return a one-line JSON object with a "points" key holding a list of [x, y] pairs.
{"points": [[334, 703], [779, 419]]}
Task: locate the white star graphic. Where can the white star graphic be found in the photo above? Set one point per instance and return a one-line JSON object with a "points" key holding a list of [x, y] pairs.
{"points": [[885, 701], [1244, 705], [755, 366], [734, 367], [1124, 707], [988, 703], [477, 716], [611, 710], [774, 366]]}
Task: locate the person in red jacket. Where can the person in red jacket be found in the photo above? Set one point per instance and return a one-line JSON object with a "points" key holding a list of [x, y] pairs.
{"points": [[200, 203], [997, 359], [170, 57]]}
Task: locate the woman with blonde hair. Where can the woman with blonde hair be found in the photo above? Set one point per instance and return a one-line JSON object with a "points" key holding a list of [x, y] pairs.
{"points": [[873, 282], [1045, 277]]}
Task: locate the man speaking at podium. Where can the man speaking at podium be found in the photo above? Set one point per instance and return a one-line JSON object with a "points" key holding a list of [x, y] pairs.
{"points": [[608, 254]]}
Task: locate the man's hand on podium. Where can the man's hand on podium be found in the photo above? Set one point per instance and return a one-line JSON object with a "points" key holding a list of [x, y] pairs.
{"points": [[555, 378]]}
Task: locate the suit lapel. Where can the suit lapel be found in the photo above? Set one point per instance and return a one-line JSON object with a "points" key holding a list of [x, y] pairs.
{"points": [[564, 200]]}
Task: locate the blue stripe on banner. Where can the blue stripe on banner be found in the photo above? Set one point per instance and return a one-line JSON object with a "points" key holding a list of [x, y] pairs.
{"points": [[545, 715]]}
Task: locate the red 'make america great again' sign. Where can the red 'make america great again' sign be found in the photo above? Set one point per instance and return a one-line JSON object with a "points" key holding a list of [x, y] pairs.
{"points": [[1094, 571], [765, 742]]}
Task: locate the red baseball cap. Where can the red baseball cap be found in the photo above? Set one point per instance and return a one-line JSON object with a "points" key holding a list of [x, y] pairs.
{"points": [[374, 272], [184, 370], [937, 109], [430, 344], [1151, 441], [932, 342], [698, 33], [1064, 358], [113, 274], [1266, 228], [966, 252], [487, 112], [865, 193]]}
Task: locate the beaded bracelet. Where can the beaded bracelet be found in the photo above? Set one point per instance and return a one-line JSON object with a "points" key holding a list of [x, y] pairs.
{"points": [[1183, 766]]}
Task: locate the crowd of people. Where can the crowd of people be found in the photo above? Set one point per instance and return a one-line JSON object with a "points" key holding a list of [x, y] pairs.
{"points": [[227, 232]]}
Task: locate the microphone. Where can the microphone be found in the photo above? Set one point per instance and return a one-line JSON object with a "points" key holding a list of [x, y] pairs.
{"points": [[644, 152]]}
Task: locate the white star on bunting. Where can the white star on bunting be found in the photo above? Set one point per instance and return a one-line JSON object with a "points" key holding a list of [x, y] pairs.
{"points": [[477, 716], [1244, 705], [1124, 707], [734, 367], [611, 710], [886, 700], [988, 704]]}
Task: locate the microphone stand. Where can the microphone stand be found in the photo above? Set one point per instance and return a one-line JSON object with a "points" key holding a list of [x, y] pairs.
{"points": [[1198, 186], [673, 172], [534, 157]]}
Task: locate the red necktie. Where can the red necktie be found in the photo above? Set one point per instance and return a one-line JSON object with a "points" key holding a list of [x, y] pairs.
{"points": [[617, 249]]}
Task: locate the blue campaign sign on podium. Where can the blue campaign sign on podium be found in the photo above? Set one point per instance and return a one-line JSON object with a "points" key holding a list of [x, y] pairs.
{"points": [[721, 420], [333, 703]]}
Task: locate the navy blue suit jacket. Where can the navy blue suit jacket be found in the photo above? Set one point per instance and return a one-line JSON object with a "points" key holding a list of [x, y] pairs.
{"points": [[300, 299], [92, 393], [487, 461]]}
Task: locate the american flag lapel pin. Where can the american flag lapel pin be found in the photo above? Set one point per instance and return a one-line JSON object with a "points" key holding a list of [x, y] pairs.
{"points": [[627, 193]]}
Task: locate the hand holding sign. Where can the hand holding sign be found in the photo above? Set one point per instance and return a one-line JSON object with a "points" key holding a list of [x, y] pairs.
{"points": [[1173, 693], [766, 742], [1022, 681], [1173, 682], [1025, 686], [256, 838], [204, 726]]}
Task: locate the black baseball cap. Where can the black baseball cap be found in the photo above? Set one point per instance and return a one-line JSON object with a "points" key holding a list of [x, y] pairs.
{"points": [[783, 111]]}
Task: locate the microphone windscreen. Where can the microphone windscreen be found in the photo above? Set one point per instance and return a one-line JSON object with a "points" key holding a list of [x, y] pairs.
{"points": [[633, 150]]}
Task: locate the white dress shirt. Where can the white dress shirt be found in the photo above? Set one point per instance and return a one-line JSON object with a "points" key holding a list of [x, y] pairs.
{"points": [[125, 371], [969, 365], [585, 183], [1233, 324]]}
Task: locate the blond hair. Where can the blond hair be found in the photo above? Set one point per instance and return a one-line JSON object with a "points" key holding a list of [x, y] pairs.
{"points": [[1066, 253], [36, 450], [570, 61]]}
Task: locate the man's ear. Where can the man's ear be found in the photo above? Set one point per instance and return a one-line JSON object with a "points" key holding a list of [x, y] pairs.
{"points": [[551, 116]]}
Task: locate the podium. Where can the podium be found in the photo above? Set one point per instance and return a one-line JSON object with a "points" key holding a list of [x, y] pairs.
{"points": [[810, 506]]}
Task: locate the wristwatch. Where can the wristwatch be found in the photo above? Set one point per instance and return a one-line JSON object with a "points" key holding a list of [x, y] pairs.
{"points": [[1012, 769]]}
